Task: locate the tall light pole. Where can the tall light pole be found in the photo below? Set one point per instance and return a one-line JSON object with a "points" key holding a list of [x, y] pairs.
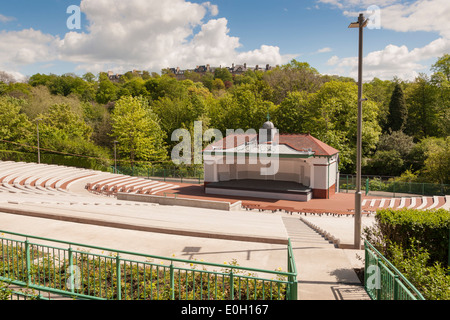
{"points": [[360, 24], [38, 142]]}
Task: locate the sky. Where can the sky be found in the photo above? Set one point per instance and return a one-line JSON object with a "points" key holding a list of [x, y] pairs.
{"points": [[403, 38]]}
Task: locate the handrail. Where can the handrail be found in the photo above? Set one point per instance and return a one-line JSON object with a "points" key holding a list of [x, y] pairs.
{"points": [[147, 255], [26, 250], [398, 276]]}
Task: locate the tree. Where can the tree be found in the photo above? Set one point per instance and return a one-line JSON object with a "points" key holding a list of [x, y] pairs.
{"points": [[332, 117], [398, 112], [14, 125], [223, 74], [437, 164], [62, 121], [397, 140], [137, 129], [423, 106], [380, 91], [385, 162], [107, 91], [290, 114], [89, 77], [393, 156], [441, 79], [295, 76], [442, 66]]}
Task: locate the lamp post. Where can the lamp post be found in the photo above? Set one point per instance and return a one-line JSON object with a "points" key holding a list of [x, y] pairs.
{"points": [[38, 143], [360, 24], [115, 156]]}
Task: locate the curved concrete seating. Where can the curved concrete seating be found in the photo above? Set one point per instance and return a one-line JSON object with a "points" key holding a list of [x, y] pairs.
{"points": [[33, 178], [127, 184], [420, 203]]}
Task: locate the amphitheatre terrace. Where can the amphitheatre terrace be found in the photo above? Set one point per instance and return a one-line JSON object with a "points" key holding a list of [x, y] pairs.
{"points": [[88, 206]]}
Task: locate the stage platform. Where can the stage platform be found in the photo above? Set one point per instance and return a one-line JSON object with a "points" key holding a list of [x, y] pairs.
{"points": [[270, 189]]}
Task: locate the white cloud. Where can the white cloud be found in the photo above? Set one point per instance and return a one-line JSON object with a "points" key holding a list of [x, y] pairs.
{"points": [[391, 61], [214, 9], [396, 59], [137, 34], [404, 16], [324, 50], [26, 47], [154, 34], [6, 19]]}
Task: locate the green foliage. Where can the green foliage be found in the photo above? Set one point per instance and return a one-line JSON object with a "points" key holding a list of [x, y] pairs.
{"points": [[222, 74], [429, 227], [437, 164], [295, 76], [14, 125], [137, 129], [416, 242], [424, 108], [332, 118], [430, 279], [398, 111], [298, 98], [138, 280], [5, 292], [107, 91]]}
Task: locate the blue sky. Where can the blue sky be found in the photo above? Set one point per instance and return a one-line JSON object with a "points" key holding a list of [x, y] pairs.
{"points": [[150, 35]]}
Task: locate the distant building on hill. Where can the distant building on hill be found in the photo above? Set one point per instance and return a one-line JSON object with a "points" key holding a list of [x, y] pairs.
{"points": [[202, 70], [180, 74]]}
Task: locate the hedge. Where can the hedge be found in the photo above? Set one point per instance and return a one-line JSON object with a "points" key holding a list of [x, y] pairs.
{"points": [[430, 228]]}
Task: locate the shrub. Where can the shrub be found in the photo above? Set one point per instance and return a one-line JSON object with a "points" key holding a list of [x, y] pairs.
{"points": [[429, 227], [417, 244], [430, 279]]}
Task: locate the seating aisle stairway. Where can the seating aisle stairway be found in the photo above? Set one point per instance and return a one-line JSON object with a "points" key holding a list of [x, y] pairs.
{"points": [[324, 271]]}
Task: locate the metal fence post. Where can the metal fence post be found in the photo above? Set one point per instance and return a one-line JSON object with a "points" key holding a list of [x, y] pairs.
{"points": [[28, 265], [378, 290], [71, 277], [172, 282], [396, 287], [231, 285], [118, 278]]}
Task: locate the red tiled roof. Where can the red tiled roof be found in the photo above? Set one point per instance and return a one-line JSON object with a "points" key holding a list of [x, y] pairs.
{"points": [[299, 142]]}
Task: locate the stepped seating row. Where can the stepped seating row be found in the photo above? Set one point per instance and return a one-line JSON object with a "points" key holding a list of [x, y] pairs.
{"points": [[369, 206], [113, 185], [33, 178], [420, 203], [305, 211]]}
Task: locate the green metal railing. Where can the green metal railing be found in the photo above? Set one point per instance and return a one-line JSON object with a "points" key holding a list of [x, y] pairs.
{"points": [[382, 281], [165, 173], [87, 272], [387, 184]]}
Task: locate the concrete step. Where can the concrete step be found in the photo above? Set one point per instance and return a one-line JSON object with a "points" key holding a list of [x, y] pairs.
{"points": [[301, 233]]}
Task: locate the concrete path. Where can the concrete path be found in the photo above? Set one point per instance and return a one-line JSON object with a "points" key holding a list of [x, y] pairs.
{"points": [[324, 271]]}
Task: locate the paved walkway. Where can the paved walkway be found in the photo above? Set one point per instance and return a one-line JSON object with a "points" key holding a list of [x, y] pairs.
{"points": [[324, 271]]}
